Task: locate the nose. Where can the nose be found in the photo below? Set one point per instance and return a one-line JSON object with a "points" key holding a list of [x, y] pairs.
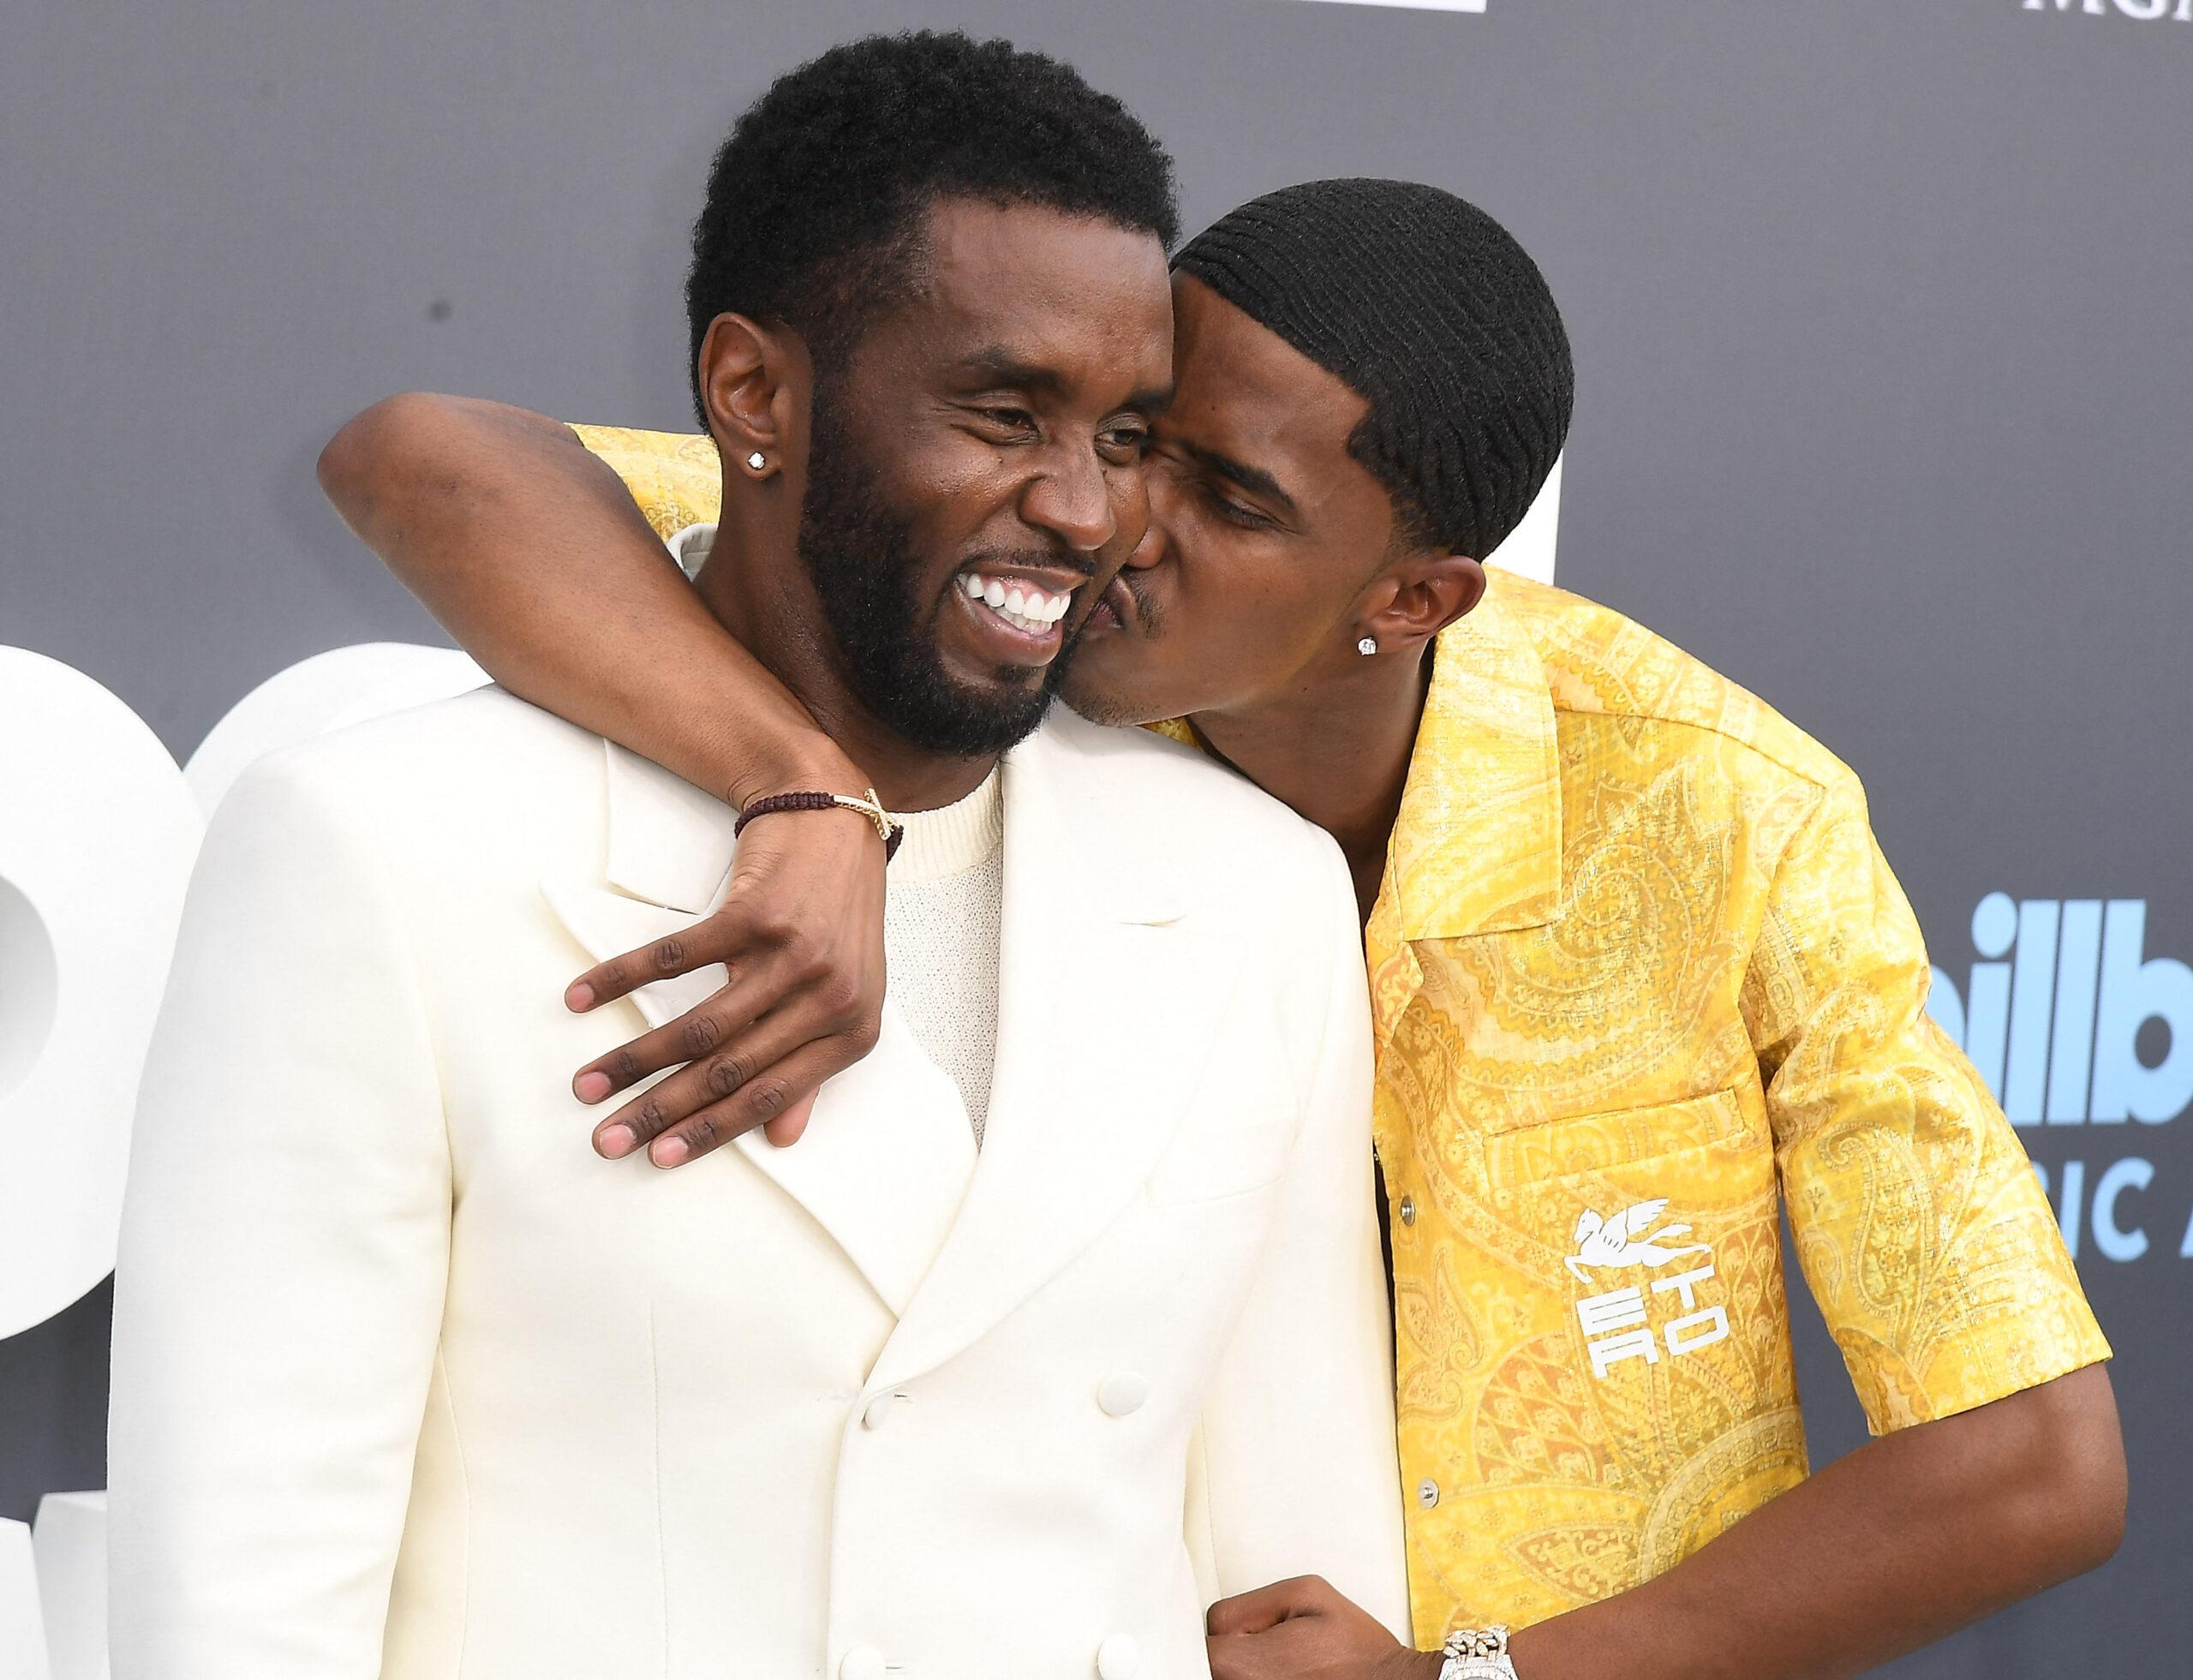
{"points": [[1151, 549], [1072, 498]]}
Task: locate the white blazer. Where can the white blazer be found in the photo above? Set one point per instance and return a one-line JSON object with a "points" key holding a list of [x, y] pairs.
{"points": [[409, 1383]]}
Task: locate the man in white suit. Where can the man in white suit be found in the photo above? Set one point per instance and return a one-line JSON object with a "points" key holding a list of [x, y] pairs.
{"points": [[1068, 1316]]}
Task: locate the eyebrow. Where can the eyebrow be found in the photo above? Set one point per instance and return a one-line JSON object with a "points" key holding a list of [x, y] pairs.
{"points": [[996, 365], [999, 366], [1254, 480]]}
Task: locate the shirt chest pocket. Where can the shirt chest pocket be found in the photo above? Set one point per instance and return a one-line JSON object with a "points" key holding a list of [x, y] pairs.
{"points": [[1620, 1139], [1668, 1210]]}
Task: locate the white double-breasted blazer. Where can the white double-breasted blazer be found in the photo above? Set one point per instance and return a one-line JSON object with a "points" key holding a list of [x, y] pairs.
{"points": [[409, 1383]]}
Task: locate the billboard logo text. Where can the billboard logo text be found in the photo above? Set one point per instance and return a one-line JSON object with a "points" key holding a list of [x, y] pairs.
{"points": [[2054, 1013], [2140, 9]]}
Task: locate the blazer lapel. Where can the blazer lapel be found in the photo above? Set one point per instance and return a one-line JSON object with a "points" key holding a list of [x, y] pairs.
{"points": [[1102, 979], [886, 1157]]}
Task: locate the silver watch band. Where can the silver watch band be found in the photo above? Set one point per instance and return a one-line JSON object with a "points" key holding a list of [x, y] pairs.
{"points": [[1477, 1654]]}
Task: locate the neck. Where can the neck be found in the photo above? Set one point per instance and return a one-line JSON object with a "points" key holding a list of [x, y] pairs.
{"points": [[758, 590], [1335, 750]]}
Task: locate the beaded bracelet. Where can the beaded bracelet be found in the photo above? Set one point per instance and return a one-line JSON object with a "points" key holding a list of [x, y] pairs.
{"points": [[888, 829]]}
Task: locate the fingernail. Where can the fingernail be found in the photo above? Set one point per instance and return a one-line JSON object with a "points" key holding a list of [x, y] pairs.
{"points": [[668, 1151], [579, 997], [617, 1142], [591, 1086]]}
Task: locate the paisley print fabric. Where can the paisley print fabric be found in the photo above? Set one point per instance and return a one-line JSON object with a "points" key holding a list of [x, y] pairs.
{"points": [[676, 478], [1644, 987]]}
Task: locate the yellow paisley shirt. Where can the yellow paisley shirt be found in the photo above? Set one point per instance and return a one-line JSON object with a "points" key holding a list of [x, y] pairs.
{"points": [[1643, 985]]}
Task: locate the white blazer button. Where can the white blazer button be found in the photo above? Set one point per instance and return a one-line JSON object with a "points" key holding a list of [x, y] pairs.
{"points": [[1118, 1658], [863, 1662], [1122, 1392], [1408, 1210], [1427, 1493], [878, 1412]]}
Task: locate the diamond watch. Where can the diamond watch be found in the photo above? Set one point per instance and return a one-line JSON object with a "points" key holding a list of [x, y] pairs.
{"points": [[1477, 1654]]}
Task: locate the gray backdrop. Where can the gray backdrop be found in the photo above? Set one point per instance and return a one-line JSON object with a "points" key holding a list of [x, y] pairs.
{"points": [[1884, 396]]}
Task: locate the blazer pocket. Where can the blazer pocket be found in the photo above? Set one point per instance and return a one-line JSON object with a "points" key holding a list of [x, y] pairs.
{"points": [[1226, 1155]]}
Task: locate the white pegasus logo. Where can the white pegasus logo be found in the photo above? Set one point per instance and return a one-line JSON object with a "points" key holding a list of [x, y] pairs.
{"points": [[1627, 1239]]}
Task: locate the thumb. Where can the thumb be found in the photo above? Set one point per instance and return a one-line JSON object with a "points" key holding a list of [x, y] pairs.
{"points": [[1266, 1607]]}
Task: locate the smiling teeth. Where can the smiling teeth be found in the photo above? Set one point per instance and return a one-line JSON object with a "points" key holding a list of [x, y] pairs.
{"points": [[1020, 605]]}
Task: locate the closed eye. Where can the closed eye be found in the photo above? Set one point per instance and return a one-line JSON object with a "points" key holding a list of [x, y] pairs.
{"points": [[1002, 423], [1234, 512]]}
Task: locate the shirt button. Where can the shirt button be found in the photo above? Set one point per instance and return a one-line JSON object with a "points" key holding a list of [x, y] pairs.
{"points": [[863, 1662], [1122, 1392], [1427, 1493], [1408, 1210], [878, 1412], [1118, 1658]]}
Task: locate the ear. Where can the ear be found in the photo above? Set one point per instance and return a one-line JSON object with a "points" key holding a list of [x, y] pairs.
{"points": [[754, 385], [1418, 596]]}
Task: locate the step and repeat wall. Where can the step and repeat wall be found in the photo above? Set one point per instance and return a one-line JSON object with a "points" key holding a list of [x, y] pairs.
{"points": [[1884, 326]]}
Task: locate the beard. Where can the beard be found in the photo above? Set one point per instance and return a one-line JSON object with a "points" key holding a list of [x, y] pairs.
{"points": [[860, 555]]}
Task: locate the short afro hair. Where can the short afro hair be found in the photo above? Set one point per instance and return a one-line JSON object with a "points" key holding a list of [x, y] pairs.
{"points": [[1428, 309], [816, 201]]}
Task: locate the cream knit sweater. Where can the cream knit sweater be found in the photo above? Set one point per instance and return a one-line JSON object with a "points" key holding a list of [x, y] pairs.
{"points": [[941, 918]]}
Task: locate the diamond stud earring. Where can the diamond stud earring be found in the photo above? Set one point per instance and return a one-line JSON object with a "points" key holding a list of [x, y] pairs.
{"points": [[1367, 646], [758, 460]]}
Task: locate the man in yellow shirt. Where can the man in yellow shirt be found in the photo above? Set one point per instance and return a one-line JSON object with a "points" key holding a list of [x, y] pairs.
{"points": [[1642, 983]]}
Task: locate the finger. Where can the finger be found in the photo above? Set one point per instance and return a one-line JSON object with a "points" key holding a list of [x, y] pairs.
{"points": [[767, 1097], [788, 1128], [1266, 1607], [751, 993], [664, 1103], [714, 939], [761, 1045]]}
